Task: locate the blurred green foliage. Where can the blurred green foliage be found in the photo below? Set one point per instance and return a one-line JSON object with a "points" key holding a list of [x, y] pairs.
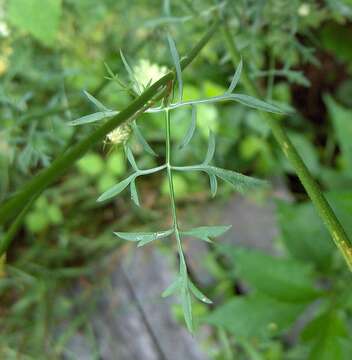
{"points": [[50, 51]]}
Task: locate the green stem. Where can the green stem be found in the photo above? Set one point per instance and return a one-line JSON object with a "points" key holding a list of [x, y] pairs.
{"points": [[172, 192], [323, 208], [45, 178]]}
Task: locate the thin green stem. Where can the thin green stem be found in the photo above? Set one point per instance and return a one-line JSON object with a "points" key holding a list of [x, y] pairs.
{"points": [[318, 199], [172, 191]]}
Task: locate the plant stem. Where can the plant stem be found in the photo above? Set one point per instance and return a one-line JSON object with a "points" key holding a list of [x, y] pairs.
{"points": [[172, 191], [60, 165], [322, 206]]}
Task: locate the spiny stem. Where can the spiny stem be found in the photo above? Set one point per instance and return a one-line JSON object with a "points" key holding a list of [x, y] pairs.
{"points": [[172, 190], [323, 208]]}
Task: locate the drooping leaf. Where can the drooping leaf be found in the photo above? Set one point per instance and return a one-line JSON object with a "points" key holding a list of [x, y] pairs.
{"points": [[101, 115], [173, 288], [144, 237], [211, 148], [280, 278], [131, 158], [241, 183], [96, 102], [235, 78], [142, 140], [255, 315], [213, 184], [134, 193], [198, 294], [115, 190], [187, 308], [191, 129], [176, 61], [206, 232]]}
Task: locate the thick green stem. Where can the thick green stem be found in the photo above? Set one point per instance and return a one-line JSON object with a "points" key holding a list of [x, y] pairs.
{"points": [[45, 178], [323, 208], [172, 191]]}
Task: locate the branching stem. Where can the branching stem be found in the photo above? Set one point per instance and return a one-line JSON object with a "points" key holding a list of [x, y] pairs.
{"points": [[323, 208], [12, 207]]}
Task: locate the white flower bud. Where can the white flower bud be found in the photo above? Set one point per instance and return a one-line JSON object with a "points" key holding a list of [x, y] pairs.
{"points": [[304, 10], [120, 134], [147, 73]]}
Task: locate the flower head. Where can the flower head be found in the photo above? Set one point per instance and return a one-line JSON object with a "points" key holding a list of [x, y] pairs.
{"points": [[304, 10], [120, 134], [147, 73]]}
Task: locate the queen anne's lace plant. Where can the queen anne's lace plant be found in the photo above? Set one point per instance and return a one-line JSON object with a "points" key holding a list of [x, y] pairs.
{"points": [[138, 82]]}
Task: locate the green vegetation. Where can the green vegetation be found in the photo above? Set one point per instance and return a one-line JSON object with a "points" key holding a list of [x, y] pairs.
{"points": [[96, 98]]}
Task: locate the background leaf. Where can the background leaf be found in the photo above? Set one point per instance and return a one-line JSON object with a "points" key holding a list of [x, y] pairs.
{"points": [[255, 315], [281, 278], [341, 120], [40, 19], [328, 334]]}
